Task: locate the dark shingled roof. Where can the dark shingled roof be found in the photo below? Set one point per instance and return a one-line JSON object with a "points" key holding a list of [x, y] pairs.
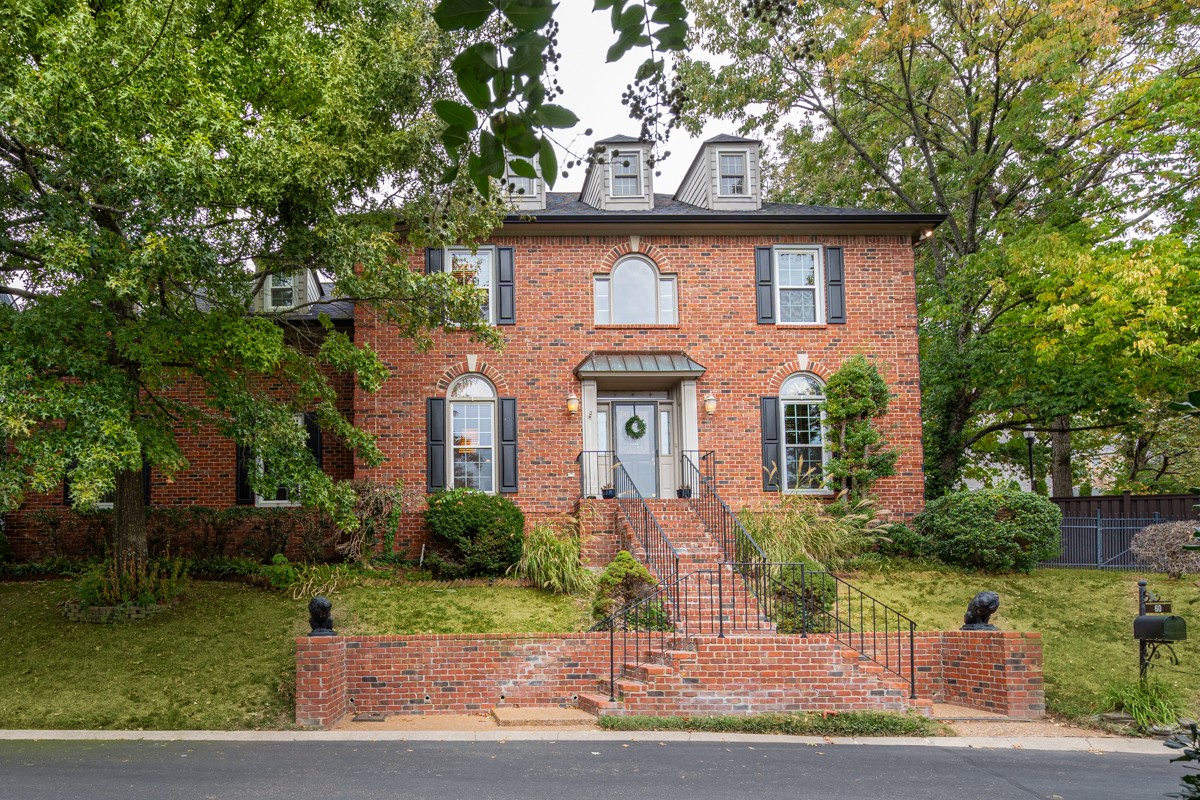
{"points": [[336, 310], [726, 138], [567, 205]]}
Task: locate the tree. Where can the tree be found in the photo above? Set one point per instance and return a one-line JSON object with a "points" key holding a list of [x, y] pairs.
{"points": [[855, 397], [161, 162], [1027, 124]]}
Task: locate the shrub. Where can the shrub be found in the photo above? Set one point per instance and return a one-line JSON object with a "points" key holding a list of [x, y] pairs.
{"points": [[6, 553], [550, 560], [803, 598], [905, 542], [484, 531], [145, 583], [856, 396], [803, 529], [377, 509], [279, 573], [1149, 702], [623, 582], [999, 530], [1161, 548]]}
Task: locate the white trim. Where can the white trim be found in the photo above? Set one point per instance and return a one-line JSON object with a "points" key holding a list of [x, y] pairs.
{"points": [[268, 299], [784, 400], [635, 156], [745, 157], [264, 502], [818, 287]]}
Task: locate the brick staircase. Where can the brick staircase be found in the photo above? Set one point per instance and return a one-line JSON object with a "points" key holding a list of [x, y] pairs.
{"points": [[739, 611], [751, 675]]}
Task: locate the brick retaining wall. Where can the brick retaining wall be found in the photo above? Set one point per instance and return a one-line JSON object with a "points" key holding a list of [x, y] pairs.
{"points": [[464, 673]]}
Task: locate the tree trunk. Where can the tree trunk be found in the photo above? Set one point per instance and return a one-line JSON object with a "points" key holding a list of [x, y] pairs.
{"points": [[945, 452], [129, 518], [1062, 482]]}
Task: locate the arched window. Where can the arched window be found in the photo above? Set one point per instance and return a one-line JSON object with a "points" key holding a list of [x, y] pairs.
{"points": [[472, 433], [634, 293], [803, 441]]}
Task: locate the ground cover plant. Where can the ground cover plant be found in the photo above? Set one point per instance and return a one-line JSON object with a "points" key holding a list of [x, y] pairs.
{"points": [[1085, 618], [851, 723], [224, 657]]}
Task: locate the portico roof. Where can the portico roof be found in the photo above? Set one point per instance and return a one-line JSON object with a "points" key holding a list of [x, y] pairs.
{"points": [[615, 364]]}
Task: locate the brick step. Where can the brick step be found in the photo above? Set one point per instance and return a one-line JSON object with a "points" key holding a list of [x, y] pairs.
{"points": [[594, 703]]}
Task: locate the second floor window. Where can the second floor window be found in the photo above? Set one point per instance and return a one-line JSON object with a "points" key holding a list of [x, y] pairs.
{"points": [[634, 293], [476, 268], [797, 284]]}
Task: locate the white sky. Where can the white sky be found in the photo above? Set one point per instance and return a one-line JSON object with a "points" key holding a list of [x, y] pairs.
{"points": [[593, 91]]}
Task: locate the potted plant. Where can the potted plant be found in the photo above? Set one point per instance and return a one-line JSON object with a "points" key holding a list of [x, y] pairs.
{"points": [[608, 492], [684, 492]]}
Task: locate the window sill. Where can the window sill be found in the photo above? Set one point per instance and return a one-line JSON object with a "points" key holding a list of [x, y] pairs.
{"points": [[274, 504], [802, 325], [810, 493], [638, 326]]}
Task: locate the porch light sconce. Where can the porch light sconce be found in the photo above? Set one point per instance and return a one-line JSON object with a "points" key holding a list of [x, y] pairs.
{"points": [[710, 403], [572, 404]]}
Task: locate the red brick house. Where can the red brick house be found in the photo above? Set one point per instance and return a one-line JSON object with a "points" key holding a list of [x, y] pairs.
{"points": [[641, 329]]}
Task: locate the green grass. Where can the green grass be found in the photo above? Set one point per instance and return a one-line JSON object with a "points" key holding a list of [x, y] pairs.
{"points": [[224, 658], [1085, 618], [851, 723]]}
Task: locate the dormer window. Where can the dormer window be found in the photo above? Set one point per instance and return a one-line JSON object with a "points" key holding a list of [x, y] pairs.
{"points": [[626, 174], [519, 186], [733, 174], [280, 292]]}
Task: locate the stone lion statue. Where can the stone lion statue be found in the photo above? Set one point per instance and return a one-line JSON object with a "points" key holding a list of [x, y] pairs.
{"points": [[320, 616]]}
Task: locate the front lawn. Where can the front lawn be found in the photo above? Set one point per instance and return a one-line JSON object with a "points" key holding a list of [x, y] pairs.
{"points": [[224, 659], [1085, 618]]}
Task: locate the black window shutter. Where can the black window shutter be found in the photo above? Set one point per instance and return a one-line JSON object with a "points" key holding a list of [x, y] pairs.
{"points": [[435, 444], [314, 438], [835, 286], [435, 260], [772, 469], [764, 285], [245, 495], [506, 305], [508, 445], [67, 485]]}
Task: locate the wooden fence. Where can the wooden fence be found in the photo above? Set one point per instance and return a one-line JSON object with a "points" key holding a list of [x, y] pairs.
{"points": [[1130, 506]]}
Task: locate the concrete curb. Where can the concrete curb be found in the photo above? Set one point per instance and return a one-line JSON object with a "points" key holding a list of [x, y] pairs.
{"points": [[1037, 743]]}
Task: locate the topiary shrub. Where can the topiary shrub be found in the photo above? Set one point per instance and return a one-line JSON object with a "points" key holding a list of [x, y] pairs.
{"points": [[999, 530], [623, 582], [1161, 548], [484, 532]]}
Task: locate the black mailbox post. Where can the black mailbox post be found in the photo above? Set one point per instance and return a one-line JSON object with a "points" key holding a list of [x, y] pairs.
{"points": [[1152, 630]]}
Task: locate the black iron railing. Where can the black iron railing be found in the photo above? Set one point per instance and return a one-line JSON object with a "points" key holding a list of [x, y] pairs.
{"points": [[667, 618], [793, 599], [663, 558], [596, 473], [722, 524], [702, 459]]}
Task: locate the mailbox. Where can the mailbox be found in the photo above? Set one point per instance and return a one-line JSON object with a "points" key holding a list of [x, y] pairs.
{"points": [[1159, 628]]}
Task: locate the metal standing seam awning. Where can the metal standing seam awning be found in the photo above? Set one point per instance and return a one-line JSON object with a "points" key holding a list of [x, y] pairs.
{"points": [[663, 365]]}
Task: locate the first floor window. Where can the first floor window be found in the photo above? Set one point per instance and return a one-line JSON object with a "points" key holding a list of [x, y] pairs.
{"points": [[284, 495], [803, 440], [472, 422]]}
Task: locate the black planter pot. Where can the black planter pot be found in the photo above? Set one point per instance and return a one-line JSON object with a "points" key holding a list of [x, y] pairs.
{"points": [[684, 493], [608, 494]]}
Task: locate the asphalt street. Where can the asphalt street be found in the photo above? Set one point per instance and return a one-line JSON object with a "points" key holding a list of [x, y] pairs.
{"points": [[552, 770]]}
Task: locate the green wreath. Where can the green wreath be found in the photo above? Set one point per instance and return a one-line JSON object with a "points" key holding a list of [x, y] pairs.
{"points": [[635, 428]]}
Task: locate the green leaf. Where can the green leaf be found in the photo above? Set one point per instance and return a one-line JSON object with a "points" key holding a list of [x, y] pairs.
{"points": [[455, 137], [529, 59], [459, 15], [548, 161], [481, 60], [529, 15], [475, 90], [600, 5], [672, 37], [491, 155], [520, 166], [456, 114], [450, 174], [552, 116], [478, 176]]}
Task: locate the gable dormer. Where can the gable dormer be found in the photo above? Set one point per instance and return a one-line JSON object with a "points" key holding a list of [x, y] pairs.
{"points": [[525, 194], [621, 178], [724, 176], [284, 291]]}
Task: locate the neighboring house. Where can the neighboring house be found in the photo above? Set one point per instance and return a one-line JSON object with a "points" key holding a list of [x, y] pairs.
{"points": [[640, 328]]}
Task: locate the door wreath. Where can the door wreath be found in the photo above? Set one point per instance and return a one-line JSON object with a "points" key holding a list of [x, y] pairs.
{"points": [[635, 427]]}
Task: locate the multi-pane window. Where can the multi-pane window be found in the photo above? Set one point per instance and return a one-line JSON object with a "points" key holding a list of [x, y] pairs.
{"points": [[797, 280], [732, 173], [627, 174], [473, 434], [634, 293], [475, 268], [280, 291], [284, 495], [803, 439]]}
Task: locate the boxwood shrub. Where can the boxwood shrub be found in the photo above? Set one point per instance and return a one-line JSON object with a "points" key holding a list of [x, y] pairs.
{"points": [[999, 530], [483, 532]]}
